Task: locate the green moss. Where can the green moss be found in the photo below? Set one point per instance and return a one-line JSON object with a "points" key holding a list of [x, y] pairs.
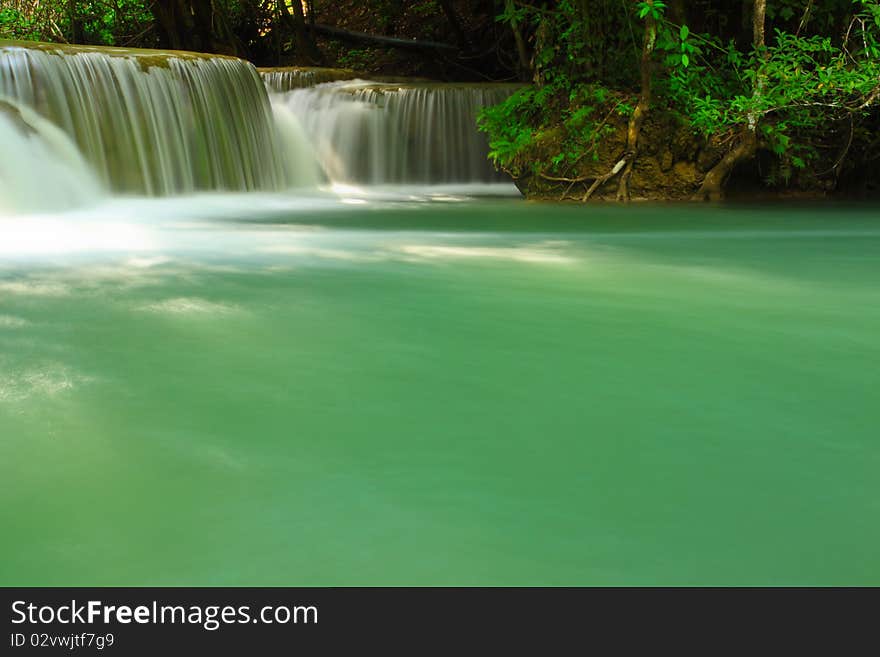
{"points": [[330, 73], [146, 58]]}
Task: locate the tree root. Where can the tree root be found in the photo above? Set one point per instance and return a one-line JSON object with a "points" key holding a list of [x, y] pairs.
{"points": [[597, 182], [713, 183], [601, 180]]}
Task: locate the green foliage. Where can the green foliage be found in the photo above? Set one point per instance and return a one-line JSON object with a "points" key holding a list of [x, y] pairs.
{"points": [[653, 9], [568, 104], [576, 41], [788, 93], [576, 120], [89, 21], [17, 25], [356, 58], [509, 125], [818, 75]]}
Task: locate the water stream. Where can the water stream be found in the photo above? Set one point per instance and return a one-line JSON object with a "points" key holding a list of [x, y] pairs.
{"points": [[373, 133], [225, 358], [152, 123]]}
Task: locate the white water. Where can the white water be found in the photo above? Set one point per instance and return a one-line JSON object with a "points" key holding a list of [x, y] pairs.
{"points": [[40, 167], [79, 123], [297, 148], [299, 77], [155, 123], [378, 133]]}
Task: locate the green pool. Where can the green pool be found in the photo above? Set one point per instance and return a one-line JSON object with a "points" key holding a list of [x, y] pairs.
{"points": [[435, 393]]}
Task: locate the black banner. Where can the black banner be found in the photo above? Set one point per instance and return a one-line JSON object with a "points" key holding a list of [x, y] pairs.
{"points": [[325, 620]]}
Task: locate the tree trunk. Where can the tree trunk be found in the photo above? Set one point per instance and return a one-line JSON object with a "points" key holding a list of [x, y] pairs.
{"points": [[624, 165], [203, 17], [304, 42], [525, 69], [638, 116], [77, 34], [712, 188], [378, 40], [758, 18], [174, 23], [454, 23]]}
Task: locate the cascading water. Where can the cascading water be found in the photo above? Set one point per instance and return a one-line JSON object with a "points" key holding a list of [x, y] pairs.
{"points": [[151, 122], [77, 121], [284, 79], [375, 133], [40, 167]]}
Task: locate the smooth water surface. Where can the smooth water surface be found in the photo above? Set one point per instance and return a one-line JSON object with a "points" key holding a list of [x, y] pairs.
{"points": [[399, 392]]}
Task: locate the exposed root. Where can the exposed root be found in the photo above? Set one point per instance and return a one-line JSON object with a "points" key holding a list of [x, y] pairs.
{"points": [[713, 184], [625, 165], [712, 188], [601, 180], [597, 182]]}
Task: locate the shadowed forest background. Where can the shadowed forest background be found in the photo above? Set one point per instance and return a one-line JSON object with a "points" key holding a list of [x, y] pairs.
{"points": [[620, 99]]}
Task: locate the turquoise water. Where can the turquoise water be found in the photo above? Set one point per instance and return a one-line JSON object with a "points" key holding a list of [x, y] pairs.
{"points": [[473, 392]]}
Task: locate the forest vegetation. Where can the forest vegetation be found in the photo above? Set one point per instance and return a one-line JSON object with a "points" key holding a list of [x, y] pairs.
{"points": [[619, 99]]}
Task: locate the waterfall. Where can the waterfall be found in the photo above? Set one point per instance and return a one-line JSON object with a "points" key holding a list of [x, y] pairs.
{"points": [[298, 77], [153, 123], [76, 121], [40, 167], [375, 133]]}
